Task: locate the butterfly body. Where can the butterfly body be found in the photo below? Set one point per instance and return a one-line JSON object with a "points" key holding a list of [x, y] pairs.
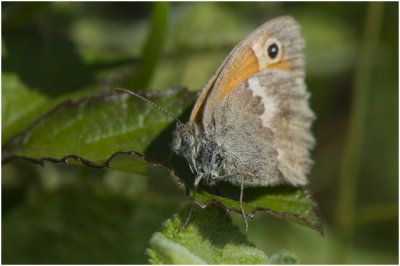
{"points": [[205, 156]]}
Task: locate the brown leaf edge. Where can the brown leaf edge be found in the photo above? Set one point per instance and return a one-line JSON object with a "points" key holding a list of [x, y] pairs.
{"points": [[317, 226]]}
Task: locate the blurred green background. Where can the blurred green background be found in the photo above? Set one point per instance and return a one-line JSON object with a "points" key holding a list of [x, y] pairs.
{"points": [[72, 214]]}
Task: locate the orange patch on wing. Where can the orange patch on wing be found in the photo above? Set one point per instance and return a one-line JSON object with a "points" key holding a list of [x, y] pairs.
{"points": [[246, 66], [284, 66], [243, 65], [240, 68]]}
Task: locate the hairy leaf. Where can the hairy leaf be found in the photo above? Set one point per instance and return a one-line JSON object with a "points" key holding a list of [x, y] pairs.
{"points": [[210, 239], [282, 257]]}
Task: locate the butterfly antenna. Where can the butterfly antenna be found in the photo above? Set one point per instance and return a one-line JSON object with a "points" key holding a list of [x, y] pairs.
{"points": [[149, 102]]}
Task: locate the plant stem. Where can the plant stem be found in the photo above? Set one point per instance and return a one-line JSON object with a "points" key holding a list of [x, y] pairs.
{"points": [[152, 49], [350, 167]]}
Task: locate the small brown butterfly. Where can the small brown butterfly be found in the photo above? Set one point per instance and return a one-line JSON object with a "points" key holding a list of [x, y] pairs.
{"points": [[251, 124]]}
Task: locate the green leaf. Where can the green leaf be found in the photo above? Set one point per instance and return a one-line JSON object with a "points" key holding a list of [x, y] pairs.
{"points": [[283, 257], [166, 251], [97, 126], [286, 202], [21, 105], [18, 104], [211, 238]]}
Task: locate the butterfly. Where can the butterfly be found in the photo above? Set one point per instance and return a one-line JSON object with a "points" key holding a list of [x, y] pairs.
{"points": [[251, 123]]}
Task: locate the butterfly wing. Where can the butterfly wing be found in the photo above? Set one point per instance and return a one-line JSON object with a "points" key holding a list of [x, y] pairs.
{"points": [[263, 125], [249, 57]]}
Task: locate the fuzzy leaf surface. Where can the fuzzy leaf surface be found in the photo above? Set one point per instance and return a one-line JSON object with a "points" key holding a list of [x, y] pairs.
{"points": [[211, 238]]}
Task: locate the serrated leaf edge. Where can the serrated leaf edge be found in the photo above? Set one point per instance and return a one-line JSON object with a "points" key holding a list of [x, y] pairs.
{"points": [[317, 226]]}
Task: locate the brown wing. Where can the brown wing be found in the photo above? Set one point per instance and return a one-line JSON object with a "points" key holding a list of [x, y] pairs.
{"points": [[248, 58], [263, 124]]}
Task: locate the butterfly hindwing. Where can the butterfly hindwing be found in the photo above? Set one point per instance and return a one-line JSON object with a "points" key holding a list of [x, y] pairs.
{"points": [[263, 125]]}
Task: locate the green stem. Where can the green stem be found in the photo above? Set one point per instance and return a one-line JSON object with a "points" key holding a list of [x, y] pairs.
{"points": [[152, 49], [350, 167], [377, 213]]}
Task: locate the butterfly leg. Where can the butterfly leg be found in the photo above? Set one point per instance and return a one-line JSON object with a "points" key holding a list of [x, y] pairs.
{"points": [[241, 206], [196, 184]]}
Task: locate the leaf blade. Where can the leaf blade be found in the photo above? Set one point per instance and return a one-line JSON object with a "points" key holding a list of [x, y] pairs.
{"points": [[98, 125], [211, 237]]}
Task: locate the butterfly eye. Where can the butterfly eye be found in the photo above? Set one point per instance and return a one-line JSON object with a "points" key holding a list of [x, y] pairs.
{"points": [[273, 51]]}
